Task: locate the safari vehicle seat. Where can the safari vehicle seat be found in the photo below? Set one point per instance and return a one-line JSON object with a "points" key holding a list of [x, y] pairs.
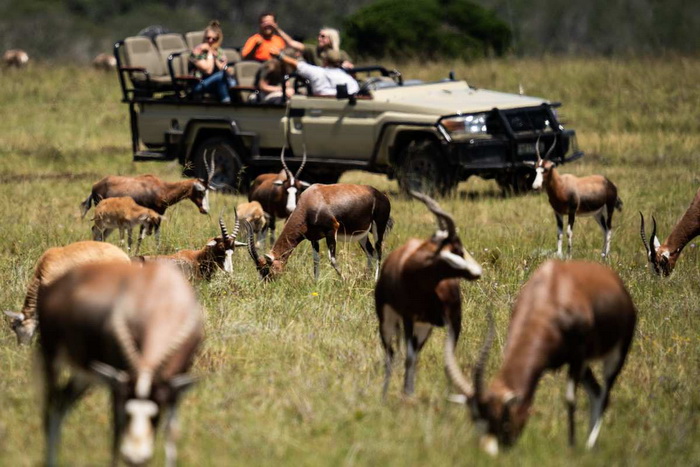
{"points": [[143, 65], [170, 43], [194, 38], [246, 72]]}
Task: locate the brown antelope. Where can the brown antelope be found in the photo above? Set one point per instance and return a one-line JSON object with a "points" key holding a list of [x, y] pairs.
{"points": [[135, 328], [152, 192], [104, 62], [594, 195], [254, 214], [15, 58], [419, 288], [277, 193], [663, 256], [202, 264], [335, 212], [51, 265], [124, 214], [568, 313]]}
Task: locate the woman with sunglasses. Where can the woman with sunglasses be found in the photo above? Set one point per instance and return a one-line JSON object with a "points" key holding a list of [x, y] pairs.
{"points": [[328, 39], [209, 62]]}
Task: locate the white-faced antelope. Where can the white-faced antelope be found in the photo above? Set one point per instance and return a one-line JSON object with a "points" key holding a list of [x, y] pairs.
{"points": [[52, 264], [152, 192], [255, 215], [16, 58], [124, 214], [568, 313], [594, 195], [343, 212], [201, 264], [277, 193], [135, 328], [419, 288], [663, 256]]}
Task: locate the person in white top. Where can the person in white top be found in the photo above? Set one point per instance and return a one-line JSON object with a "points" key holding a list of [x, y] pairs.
{"points": [[323, 79]]}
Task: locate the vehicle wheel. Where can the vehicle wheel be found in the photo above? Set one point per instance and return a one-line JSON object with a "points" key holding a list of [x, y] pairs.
{"points": [[423, 169], [517, 183], [228, 168]]}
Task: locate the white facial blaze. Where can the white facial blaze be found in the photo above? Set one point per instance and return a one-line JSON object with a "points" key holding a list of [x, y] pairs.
{"points": [[205, 202], [537, 184], [489, 444], [291, 198], [228, 261], [467, 263], [137, 445]]}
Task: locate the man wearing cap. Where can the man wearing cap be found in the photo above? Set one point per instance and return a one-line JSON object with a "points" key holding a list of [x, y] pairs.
{"points": [[323, 79]]}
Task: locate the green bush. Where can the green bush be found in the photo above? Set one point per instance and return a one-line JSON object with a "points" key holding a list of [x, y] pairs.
{"points": [[429, 29]]}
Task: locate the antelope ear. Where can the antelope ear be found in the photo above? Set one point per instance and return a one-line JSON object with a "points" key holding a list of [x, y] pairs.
{"points": [[510, 398], [305, 184], [666, 254], [278, 182], [530, 163], [109, 374], [657, 244], [183, 382], [269, 259], [199, 185], [211, 242], [237, 243], [14, 315]]}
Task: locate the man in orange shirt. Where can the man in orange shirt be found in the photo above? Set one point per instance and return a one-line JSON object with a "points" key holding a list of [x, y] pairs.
{"points": [[270, 36]]}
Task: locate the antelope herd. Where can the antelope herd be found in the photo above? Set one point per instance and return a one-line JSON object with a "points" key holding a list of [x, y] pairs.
{"points": [[134, 323]]}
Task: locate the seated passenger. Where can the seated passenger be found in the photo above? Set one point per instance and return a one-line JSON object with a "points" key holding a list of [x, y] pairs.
{"points": [[269, 36], [324, 79], [328, 39], [271, 79], [209, 62]]}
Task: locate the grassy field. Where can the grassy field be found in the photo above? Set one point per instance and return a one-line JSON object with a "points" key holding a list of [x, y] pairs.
{"points": [[292, 370]]}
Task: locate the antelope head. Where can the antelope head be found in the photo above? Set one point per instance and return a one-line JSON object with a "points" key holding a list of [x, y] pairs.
{"points": [[268, 266], [542, 166], [294, 185], [223, 246], [201, 188], [661, 259]]}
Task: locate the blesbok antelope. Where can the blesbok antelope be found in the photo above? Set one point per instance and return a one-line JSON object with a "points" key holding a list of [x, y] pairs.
{"points": [[419, 288], [663, 256], [15, 58], [135, 328], [202, 264], [124, 214], [568, 313], [278, 193], [255, 215], [52, 264], [151, 192], [593, 195], [343, 212]]}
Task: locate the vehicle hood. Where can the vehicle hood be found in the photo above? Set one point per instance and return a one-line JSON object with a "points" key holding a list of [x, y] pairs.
{"points": [[451, 97]]}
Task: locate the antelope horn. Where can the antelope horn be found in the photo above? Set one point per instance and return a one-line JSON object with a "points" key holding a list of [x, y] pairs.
{"points": [[452, 367], [444, 220], [124, 338], [251, 244], [303, 163], [537, 149], [483, 357], [284, 164], [210, 170], [224, 232], [236, 226], [644, 237], [551, 148], [206, 164]]}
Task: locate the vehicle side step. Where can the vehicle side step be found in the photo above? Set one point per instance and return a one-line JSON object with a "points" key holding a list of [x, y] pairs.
{"points": [[149, 156]]}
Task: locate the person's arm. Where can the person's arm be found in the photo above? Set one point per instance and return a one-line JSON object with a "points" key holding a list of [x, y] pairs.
{"points": [[288, 39], [250, 47], [291, 61], [203, 60]]}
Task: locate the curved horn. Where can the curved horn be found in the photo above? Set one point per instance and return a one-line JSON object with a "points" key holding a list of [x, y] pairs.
{"points": [[537, 149], [303, 163], [551, 148], [224, 232], [252, 251], [452, 367], [125, 340], [284, 165], [444, 219], [644, 238], [483, 357], [212, 169], [236, 225]]}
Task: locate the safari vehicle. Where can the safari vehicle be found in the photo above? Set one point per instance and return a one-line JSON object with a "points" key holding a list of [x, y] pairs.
{"points": [[427, 135]]}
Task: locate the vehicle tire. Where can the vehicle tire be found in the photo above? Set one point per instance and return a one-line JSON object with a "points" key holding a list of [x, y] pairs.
{"points": [[517, 183], [228, 167], [423, 169]]}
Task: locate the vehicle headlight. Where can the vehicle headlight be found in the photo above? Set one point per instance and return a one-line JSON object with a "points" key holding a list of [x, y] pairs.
{"points": [[465, 125]]}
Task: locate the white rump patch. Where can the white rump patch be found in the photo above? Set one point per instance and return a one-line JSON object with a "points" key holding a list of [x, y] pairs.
{"points": [[537, 184], [466, 264], [228, 261]]}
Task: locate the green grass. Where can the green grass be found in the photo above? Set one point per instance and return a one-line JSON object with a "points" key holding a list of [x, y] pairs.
{"points": [[292, 370]]}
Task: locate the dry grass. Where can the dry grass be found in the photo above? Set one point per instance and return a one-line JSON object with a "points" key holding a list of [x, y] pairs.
{"points": [[292, 370]]}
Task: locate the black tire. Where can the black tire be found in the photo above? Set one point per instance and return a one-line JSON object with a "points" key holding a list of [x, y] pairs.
{"points": [[423, 169], [228, 166]]}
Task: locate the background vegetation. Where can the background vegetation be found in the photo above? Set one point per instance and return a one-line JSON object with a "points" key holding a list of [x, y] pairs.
{"points": [[74, 31], [292, 370]]}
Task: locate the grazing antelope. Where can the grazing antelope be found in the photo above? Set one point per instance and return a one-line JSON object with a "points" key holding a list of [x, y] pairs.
{"points": [[104, 62], [52, 264], [254, 214], [135, 328], [202, 264], [124, 214], [594, 195], [419, 288], [15, 58], [151, 192], [662, 257], [277, 193], [335, 212], [568, 313]]}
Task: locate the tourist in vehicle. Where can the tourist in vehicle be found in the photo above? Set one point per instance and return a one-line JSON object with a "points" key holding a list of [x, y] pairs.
{"points": [[328, 39], [269, 36], [271, 78], [209, 63], [324, 79]]}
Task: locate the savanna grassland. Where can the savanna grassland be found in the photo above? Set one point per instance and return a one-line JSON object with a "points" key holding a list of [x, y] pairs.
{"points": [[292, 370]]}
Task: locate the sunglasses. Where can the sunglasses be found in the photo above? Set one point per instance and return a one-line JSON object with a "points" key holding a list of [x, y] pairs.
{"points": [[322, 36], [210, 38]]}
